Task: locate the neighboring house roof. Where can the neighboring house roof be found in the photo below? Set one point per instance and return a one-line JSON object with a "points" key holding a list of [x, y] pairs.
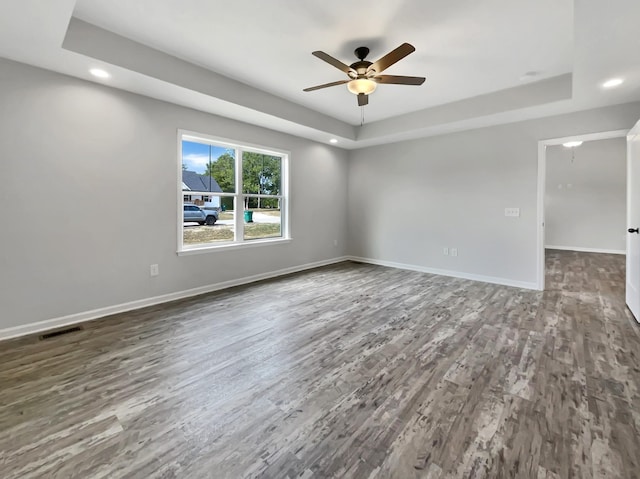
{"points": [[196, 182]]}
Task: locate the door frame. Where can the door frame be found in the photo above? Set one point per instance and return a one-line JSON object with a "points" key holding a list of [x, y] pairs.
{"points": [[542, 170], [630, 222]]}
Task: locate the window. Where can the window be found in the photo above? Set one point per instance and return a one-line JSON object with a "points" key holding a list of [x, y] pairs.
{"points": [[240, 190]]}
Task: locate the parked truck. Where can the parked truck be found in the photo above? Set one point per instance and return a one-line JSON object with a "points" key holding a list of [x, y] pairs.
{"points": [[201, 216]]}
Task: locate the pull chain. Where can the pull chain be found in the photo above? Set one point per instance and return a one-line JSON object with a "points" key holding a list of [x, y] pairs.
{"points": [[362, 115]]}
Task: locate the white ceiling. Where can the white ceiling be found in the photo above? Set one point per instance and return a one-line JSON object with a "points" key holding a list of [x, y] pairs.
{"points": [[472, 53], [268, 45]]}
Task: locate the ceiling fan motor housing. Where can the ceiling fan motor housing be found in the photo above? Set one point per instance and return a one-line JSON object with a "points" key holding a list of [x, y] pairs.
{"points": [[361, 68]]}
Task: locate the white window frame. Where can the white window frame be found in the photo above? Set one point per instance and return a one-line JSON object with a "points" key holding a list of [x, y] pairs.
{"points": [[238, 196]]}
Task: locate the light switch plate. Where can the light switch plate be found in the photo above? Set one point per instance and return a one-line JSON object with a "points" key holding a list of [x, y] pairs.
{"points": [[512, 211], [454, 251]]}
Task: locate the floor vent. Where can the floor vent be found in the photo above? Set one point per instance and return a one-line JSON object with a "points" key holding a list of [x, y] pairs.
{"points": [[60, 332]]}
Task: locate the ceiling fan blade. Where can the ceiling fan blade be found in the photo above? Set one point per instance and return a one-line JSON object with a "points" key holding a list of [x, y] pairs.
{"points": [[399, 80], [392, 57], [326, 85], [363, 99], [333, 61]]}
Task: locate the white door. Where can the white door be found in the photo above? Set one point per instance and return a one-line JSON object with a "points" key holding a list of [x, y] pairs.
{"points": [[633, 221]]}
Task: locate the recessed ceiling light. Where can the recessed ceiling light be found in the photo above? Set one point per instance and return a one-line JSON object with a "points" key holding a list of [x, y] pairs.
{"points": [[97, 72], [614, 82], [572, 144], [333, 140]]}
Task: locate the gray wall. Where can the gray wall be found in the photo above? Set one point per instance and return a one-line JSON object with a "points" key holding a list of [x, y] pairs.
{"points": [[77, 159], [451, 191], [88, 198], [585, 198]]}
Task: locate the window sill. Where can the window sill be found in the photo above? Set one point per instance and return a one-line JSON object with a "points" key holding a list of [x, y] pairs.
{"points": [[231, 246]]}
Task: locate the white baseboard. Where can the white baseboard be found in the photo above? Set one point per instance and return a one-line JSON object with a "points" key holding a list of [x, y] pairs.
{"points": [[85, 316], [587, 250], [444, 272]]}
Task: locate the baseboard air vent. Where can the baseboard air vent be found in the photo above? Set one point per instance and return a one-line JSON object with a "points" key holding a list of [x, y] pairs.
{"points": [[59, 332]]}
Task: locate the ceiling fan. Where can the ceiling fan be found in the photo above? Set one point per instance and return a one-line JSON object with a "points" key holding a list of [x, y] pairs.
{"points": [[364, 76]]}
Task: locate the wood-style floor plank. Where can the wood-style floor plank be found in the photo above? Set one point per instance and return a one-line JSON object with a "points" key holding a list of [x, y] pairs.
{"points": [[348, 371]]}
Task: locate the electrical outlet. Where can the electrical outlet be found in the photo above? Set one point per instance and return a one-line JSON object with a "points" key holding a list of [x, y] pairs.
{"points": [[512, 211], [454, 251], [446, 251], [154, 270], [335, 242]]}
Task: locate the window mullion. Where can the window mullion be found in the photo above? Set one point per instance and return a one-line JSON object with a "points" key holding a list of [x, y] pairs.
{"points": [[239, 206]]}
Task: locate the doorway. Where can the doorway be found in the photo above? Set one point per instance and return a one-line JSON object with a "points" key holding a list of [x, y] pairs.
{"points": [[573, 191]]}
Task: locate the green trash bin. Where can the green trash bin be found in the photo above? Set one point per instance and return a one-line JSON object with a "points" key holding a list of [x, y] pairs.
{"points": [[248, 216]]}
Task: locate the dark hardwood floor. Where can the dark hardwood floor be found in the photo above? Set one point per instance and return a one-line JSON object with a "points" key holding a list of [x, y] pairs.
{"points": [[353, 371]]}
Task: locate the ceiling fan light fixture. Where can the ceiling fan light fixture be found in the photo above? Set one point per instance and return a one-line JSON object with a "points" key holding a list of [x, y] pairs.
{"points": [[362, 85]]}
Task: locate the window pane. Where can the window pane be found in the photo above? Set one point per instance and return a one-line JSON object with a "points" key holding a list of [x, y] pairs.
{"points": [[207, 224], [261, 174], [208, 168], [211, 198], [262, 218]]}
